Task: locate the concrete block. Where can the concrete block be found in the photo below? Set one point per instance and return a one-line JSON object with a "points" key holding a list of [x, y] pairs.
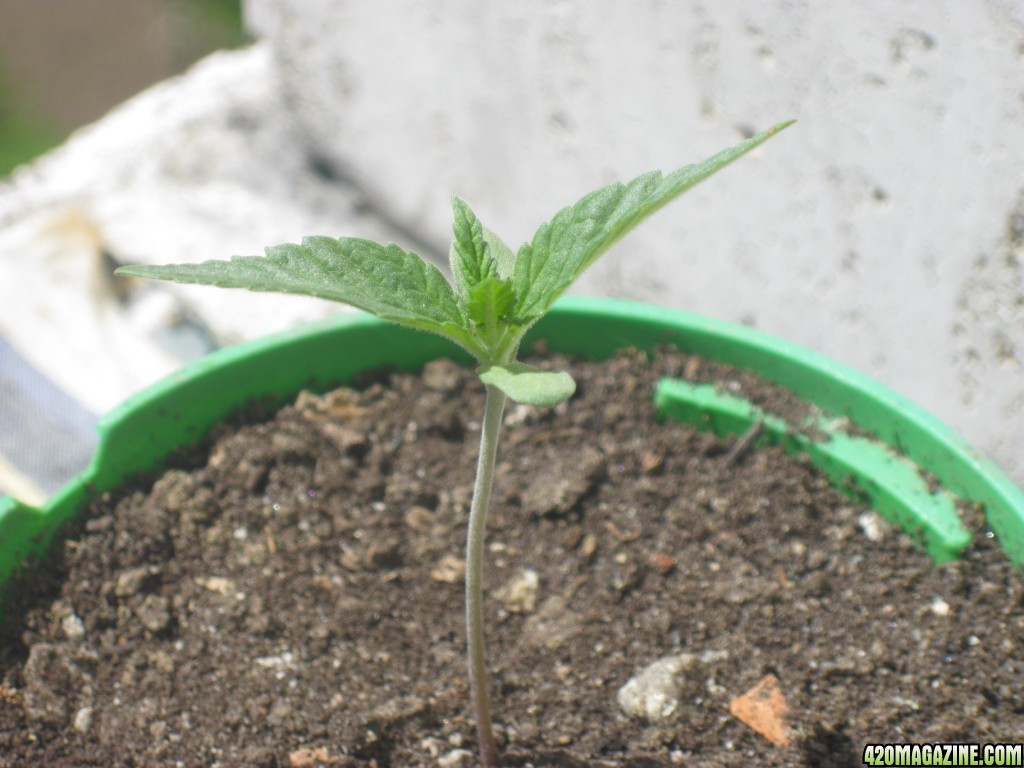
{"points": [[883, 229]]}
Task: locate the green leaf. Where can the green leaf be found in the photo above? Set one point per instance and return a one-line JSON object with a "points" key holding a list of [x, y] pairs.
{"points": [[562, 249], [526, 384], [470, 262], [490, 302], [501, 253], [381, 279]]}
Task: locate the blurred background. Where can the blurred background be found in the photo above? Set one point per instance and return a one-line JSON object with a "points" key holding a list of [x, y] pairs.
{"points": [[885, 229], [64, 63]]}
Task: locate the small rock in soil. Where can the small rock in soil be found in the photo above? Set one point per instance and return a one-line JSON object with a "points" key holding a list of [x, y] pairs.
{"points": [[655, 692], [457, 758], [449, 570], [72, 627], [442, 376], [553, 625], [131, 581], [50, 674], [83, 720], [154, 612], [520, 593], [556, 489]]}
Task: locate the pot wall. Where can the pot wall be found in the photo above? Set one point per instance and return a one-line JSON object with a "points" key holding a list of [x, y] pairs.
{"points": [[142, 432]]}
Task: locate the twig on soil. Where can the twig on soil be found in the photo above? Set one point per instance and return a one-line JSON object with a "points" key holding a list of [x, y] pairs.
{"points": [[744, 443]]}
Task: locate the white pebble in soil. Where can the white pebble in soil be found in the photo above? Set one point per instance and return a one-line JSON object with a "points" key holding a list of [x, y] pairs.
{"points": [[654, 693], [520, 593], [872, 526], [83, 720], [72, 627], [457, 758], [939, 607]]}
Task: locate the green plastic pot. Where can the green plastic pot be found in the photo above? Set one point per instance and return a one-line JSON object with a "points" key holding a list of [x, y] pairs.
{"points": [[893, 470]]}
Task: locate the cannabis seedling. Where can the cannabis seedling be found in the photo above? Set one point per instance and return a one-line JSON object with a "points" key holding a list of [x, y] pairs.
{"points": [[497, 296]]}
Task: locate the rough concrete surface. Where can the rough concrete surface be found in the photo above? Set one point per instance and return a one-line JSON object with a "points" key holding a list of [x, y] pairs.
{"points": [[878, 230], [199, 167], [884, 229]]}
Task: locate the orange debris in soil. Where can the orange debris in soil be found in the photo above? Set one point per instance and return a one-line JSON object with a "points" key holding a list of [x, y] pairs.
{"points": [[764, 709], [306, 758]]}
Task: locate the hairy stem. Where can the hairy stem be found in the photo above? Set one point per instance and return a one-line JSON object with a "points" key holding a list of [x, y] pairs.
{"points": [[474, 569]]}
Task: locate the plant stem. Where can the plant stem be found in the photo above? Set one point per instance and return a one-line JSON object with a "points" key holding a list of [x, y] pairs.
{"points": [[474, 571]]}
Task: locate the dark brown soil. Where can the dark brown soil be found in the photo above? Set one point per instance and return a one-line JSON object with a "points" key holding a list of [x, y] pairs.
{"points": [[296, 597]]}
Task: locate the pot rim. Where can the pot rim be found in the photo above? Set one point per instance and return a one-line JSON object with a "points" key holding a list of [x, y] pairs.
{"points": [[139, 434]]}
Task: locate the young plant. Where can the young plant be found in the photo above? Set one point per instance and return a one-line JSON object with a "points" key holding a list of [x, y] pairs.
{"points": [[497, 296]]}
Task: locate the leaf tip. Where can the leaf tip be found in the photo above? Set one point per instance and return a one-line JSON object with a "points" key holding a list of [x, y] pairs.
{"points": [[134, 270]]}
